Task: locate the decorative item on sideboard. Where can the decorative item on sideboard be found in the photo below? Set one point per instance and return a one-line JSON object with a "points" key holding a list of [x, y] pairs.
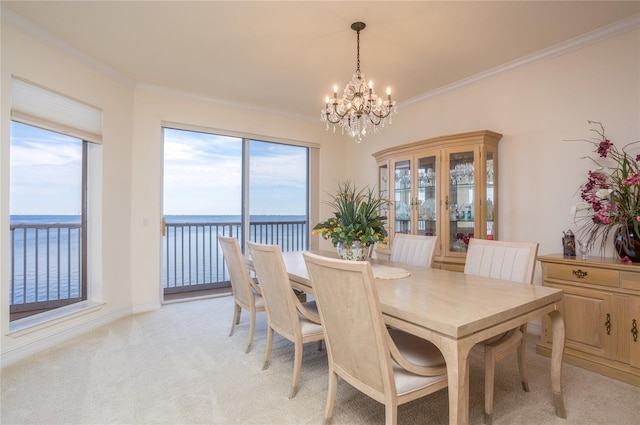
{"points": [[568, 244], [611, 196]]}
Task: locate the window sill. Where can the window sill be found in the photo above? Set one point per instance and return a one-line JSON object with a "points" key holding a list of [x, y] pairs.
{"points": [[53, 317]]}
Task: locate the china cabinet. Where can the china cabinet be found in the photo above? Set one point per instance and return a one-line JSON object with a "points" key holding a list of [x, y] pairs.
{"points": [[601, 314], [445, 187]]}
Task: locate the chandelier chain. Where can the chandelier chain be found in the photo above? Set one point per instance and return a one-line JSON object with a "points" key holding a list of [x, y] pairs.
{"points": [[358, 52]]}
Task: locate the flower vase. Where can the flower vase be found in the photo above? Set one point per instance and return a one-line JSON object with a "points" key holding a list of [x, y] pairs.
{"points": [[353, 252], [627, 243]]}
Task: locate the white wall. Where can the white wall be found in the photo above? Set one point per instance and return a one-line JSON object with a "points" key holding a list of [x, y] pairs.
{"points": [[536, 107]]}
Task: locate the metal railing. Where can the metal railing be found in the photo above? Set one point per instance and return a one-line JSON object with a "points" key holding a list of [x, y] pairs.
{"points": [[45, 266], [193, 259], [46, 259]]}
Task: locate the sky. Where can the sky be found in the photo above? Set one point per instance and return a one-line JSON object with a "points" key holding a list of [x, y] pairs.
{"points": [[45, 172], [202, 174]]}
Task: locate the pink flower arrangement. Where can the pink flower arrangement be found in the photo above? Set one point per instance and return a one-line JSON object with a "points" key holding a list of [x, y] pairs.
{"points": [[611, 192]]}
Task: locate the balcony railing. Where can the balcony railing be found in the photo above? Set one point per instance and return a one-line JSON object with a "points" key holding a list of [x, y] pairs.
{"points": [[45, 266], [46, 260], [193, 259]]}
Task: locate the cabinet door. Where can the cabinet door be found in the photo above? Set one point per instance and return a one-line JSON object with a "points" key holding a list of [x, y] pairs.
{"points": [[589, 320], [426, 205], [460, 205], [402, 196], [489, 209], [383, 187], [632, 328]]}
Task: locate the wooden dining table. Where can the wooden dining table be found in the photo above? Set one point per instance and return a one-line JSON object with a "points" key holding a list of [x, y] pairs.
{"points": [[455, 311]]}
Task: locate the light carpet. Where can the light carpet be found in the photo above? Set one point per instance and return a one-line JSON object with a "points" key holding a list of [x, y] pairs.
{"points": [[177, 365]]}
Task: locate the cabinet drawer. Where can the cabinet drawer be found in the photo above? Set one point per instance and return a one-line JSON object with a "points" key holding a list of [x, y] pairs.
{"points": [[630, 280], [584, 274]]}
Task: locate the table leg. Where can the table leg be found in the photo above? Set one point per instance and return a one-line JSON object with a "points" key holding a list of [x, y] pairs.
{"points": [[557, 349], [456, 356]]}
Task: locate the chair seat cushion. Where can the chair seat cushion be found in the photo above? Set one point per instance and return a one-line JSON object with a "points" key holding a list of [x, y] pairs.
{"points": [[407, 382], [416, 350], [419, 351]]}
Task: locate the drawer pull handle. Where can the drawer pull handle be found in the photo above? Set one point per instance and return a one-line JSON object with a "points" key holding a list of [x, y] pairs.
{"points": [[607, 324], [579, 273], [634, 330]]}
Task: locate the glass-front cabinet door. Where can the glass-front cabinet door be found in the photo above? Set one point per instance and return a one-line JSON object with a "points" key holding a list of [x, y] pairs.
{"points": [[460, 200], [490, 203], [427, 198], [403, 196], [383, 187]]}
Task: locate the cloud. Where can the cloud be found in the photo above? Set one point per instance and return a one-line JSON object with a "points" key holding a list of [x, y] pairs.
{"points": [[203, 175]]}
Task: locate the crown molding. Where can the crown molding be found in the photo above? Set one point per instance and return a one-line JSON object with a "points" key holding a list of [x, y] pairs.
{"points": [[560, 49]]}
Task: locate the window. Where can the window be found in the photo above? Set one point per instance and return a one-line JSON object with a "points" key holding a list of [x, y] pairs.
{"points": [[47, 219], [53, 143]]}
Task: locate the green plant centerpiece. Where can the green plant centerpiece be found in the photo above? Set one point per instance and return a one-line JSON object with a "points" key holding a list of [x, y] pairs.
{"points": [[356, 225]]}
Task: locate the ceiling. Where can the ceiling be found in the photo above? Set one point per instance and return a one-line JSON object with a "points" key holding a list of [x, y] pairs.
{"points": [[287, 55]]}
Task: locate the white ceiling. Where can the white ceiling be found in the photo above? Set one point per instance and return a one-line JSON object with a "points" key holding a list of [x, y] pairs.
{"points": [[286, 55]]}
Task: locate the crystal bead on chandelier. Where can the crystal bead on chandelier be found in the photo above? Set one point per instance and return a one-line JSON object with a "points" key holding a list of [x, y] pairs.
{"points": [[359, 111]]}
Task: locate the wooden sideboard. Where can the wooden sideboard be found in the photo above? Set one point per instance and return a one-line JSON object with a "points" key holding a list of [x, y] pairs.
{"points": [[601, 314]]}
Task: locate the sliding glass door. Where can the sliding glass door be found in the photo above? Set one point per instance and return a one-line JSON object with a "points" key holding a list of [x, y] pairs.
{"points": [[232, 186]]}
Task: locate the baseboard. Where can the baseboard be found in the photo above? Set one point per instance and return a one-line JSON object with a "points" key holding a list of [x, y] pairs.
{"points": [[145, 307]]}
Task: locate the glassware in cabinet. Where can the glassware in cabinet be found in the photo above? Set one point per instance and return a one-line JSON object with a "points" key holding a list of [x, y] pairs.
{"points": [[461, 202], [403, 200], [427, 196]]}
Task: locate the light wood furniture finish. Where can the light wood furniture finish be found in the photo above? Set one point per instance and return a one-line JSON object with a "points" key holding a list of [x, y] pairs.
{"points": [[361, 352], [246, 294], [602, 314], [285, 314], [455, 311], [445, 187], [515, 262], [417, 250]]}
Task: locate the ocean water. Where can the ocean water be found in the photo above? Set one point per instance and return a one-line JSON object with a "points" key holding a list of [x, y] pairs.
{"points": [[44, 258], [192, 256], [45, 255]]}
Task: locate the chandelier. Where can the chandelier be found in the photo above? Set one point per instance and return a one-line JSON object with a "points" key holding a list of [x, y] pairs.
{"points": [[359, 111]]}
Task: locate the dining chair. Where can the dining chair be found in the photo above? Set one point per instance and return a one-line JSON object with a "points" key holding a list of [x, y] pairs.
{"points": [[388, 365], [515, 262], [416, 250], [298, 322], [246, 293]]}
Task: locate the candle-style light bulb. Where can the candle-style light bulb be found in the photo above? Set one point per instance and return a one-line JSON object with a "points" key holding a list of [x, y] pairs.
{"points": [[335, 91], [389, 93], [370, 84]]}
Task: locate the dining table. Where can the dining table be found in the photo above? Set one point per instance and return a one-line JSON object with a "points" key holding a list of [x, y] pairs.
{"points": [[455, 311]]}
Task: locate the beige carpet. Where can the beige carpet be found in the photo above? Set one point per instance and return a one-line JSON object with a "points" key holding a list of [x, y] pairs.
{"points": [[178, 366]]}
